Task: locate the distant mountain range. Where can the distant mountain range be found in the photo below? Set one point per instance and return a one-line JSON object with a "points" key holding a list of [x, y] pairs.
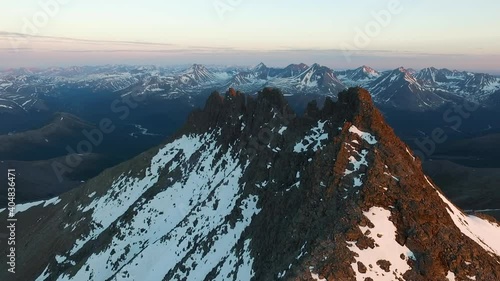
{"points": [[427, 89]]}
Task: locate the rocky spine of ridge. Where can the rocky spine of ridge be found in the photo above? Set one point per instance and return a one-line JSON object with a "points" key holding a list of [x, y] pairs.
{"points": [[392, 179], [323, 184]]}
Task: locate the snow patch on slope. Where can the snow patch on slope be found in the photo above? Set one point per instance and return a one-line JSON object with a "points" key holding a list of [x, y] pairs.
{"points": [[369, 138], [483, 232], [357, 163], [24, 207], [313, 138], [127, 190], [386, 248], [170, 232], [316, 276], [450, 276]]}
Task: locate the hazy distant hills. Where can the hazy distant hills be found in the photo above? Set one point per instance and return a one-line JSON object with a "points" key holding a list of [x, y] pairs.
{"points": [[67, 150], [37, 179], [471, 188], [44, 142]]}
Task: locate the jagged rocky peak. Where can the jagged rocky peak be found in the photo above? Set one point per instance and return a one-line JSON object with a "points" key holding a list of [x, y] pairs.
{"points": [[248, 190], [353, 104], [233, 105]]}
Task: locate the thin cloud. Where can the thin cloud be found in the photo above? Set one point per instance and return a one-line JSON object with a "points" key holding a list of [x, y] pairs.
{"points": [[178, 48], [72, 45], [68, 39], [209, 50]]}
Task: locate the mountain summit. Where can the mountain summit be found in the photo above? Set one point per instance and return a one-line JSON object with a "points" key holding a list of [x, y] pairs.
{"points": [[359, 75], [196, 74], [322, 77], [247, 190]]}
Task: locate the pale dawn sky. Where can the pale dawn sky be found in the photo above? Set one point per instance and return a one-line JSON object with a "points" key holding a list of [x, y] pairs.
{"points": [[340, 34]]}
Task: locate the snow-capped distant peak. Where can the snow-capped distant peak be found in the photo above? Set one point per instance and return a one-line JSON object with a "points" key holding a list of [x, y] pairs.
{"points": [[196, 74], [196, 68], [359, 76], [370, 71], [260, 66], [403, 73]]}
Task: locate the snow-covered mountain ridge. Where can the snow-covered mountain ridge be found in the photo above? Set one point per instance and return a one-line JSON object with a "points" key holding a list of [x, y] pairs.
{"points": [[247, 190]]}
